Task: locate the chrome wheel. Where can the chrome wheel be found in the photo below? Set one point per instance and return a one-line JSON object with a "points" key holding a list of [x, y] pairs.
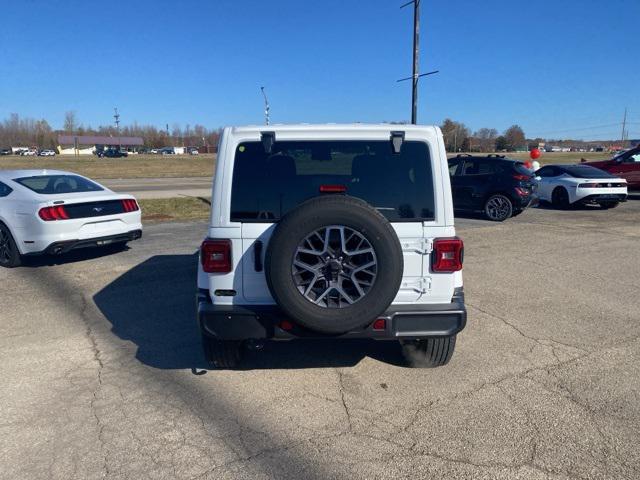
{"points": [[334, 266], [498, 208]]}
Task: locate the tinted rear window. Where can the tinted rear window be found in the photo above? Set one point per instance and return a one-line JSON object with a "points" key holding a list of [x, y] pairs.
{"points": [[57, 184], [266, 186], [585, 171]]}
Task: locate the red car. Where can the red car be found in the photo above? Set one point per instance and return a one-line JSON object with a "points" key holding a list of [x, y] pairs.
{"points": [[625, 164]]}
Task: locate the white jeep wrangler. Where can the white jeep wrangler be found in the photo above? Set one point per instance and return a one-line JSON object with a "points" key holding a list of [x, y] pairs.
{"points": [[337, 231]]}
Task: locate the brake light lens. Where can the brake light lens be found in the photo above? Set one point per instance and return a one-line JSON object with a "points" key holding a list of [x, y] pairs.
{"points": [[588, 185], [447, 254], [130, 205], [521, 177], [521, 191], [50, 214], [215, 256], [333, 188]]}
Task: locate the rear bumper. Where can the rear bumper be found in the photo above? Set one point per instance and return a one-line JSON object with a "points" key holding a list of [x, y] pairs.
{"points": [[65, 246], [243, 322], [603, 197]]}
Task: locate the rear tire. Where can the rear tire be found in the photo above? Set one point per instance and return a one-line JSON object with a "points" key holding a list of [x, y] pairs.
{"points": [[429, 352], [560, 198], [222, 354], [607, 205], [498, 208], [9, 254]]}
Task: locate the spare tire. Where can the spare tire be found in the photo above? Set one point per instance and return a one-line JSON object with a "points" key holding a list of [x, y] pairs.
{"points": [[334, 264]]}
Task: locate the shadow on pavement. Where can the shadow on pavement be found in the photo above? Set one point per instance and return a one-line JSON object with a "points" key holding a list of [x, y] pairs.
{"points": [[73, 256], [154, 306]]}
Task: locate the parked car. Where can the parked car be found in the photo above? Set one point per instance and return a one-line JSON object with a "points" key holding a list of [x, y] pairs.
{"points": [[493, 184], [29, 153], [47, 153], [112, 153], [193, 151], [625, 165], [167, 151], [567, 185], [331, 231], [53, 212], [5, 151], [154, 151]]}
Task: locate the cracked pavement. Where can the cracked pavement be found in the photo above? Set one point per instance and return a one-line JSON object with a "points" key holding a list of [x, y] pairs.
{"points": [[102, 374]]}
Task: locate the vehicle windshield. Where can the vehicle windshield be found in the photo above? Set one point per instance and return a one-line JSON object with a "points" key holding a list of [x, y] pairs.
{"points": [[55, 184], [585, 171], [266, 186]]}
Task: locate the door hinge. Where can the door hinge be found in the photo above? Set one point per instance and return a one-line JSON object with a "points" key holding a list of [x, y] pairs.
{"points": [[418, 285], [424, 246]]}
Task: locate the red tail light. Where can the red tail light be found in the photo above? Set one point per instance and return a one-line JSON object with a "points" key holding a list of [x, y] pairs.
{"points": [[57, 212], [215, 256], [447, 255], [521, 177], [333, 188], [130, 205]]}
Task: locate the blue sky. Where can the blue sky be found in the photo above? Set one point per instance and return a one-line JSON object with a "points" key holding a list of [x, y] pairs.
{"points": [[554, 67]]}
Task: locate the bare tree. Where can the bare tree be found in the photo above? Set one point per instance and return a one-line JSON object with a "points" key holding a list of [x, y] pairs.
{"points": [[70, 121], [486, 139]]}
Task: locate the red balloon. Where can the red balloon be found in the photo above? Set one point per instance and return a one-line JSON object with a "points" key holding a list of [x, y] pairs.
{"points": [[535, 153]]}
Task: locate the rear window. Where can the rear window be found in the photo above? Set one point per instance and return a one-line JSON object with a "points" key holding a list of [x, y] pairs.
{"points": [[56, 184], [266, 186], [586, 171]]}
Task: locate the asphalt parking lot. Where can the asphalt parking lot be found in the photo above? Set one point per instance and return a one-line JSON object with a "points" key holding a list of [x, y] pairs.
{"points": [[102, 375]]}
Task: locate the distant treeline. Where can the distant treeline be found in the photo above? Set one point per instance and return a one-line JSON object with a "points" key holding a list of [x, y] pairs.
{"points": [[18, 131]]}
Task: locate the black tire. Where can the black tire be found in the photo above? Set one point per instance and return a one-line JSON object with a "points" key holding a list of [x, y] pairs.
{"points": [[222, 354], [607, 205], [316, 214], [429, 352], [9, 254], [560, 198], [498, 207]]}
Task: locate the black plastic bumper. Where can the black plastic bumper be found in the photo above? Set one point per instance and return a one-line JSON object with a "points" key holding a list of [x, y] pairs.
{"points": [[243, 322], [603, 197], [57, 248]]}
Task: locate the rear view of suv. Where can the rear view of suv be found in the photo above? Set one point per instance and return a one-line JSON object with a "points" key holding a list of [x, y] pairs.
{"points": [[328, 231], [493, 184]]}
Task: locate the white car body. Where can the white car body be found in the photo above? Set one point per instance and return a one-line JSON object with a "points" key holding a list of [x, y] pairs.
{"points": [[589, 187], [47, 153], [419, 285], [29, 153], [19, 212]]}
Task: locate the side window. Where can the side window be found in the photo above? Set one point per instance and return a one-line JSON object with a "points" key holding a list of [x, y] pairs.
{"points": [[633, 158], [546, 172], [453, 166], [4, 190], [487, 167], [470, 167]]}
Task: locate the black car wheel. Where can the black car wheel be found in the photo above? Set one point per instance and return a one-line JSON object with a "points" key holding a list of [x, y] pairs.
{"points": [[429, 352], [9, 254], [334, 264], [498, 208], [560, 198]]}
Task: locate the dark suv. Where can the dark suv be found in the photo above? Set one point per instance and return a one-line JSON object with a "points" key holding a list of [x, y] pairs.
{"points": [[498, 186]]}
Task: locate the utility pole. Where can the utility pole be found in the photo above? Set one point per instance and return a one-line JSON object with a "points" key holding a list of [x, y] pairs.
{"points": [[266, 106], [116, 116], [624, 127], [416, 54]]}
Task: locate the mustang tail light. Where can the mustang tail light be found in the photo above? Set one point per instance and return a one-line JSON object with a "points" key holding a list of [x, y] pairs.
{"points": [[215, 256], [521, 177], [130, 205], [447, 255], [50, 214], [589, 185], [333, 188]]}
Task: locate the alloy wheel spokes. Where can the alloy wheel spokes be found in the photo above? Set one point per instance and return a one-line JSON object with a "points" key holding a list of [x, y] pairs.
{"points": [[334, 266]]}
